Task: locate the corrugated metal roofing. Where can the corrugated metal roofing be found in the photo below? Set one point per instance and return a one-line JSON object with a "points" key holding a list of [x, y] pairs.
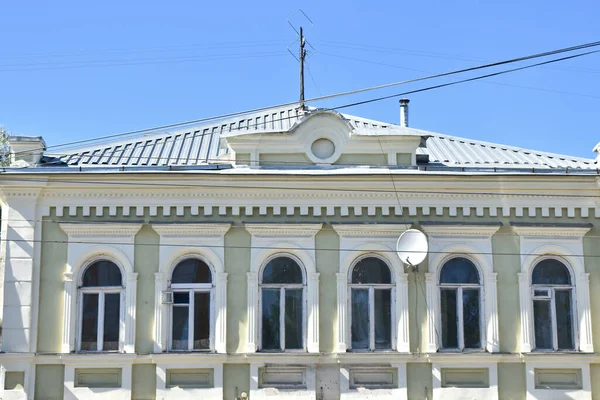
{"points": [[202, 144]]}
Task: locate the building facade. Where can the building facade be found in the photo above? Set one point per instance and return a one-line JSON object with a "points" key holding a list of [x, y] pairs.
{"points": [[256, 258]]}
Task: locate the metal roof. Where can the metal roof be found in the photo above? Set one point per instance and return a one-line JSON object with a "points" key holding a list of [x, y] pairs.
{"points": [[201, 144]]}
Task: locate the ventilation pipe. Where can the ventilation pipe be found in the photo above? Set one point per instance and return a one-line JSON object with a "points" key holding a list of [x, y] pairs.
{"points": [[404, 112]]}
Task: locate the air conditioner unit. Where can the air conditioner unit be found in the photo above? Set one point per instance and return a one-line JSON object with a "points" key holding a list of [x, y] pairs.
{"points": [[167, 297]]}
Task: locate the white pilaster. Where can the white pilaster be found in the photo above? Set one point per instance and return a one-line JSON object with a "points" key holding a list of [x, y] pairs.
{"points": [[342, 303], [491, 305], [403, 343], [68, 340], [221, 311], [431, 290], [524, 300], [585, 320], [130, 306], [160, 312], [251, 346], [312, 339]]}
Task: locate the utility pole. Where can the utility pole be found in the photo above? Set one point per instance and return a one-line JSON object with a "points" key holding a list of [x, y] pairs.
{"points": [[301, 59]]}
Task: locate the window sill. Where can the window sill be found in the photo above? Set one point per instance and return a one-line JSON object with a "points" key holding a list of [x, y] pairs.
{"points": [[465, 351]]}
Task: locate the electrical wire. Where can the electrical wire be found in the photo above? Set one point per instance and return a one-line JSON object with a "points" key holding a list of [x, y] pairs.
{"points": [[346, 93], [129, 183]]}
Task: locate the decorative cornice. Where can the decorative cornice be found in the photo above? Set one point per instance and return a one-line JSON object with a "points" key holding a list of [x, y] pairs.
{"points": [[460, 229], [20, 193], [551, 230], [378, 230], [100, 229], [195, 230], [283, 229]]}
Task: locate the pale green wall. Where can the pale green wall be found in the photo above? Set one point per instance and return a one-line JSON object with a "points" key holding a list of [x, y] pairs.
{"points": [[237, 265], [507, 264], [419, 381], [236, 379], [328, 262], [287, 159], [512, 384], [49, 382], [404, 159], [362, 159], [52, 267], [145, 264], [143, 382], [595, 378]]}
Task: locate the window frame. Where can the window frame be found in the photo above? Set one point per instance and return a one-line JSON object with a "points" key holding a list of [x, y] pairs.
{"points": [[553, 322], [459, 306], [191, 289], [371, 288], [282, 289], [102, 291]]}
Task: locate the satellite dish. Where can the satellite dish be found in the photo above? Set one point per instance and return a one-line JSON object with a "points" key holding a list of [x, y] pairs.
{"points": [[412, 247]]}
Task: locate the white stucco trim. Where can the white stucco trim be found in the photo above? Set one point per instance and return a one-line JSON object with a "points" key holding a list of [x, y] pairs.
{"points": [[177, 393], [453, 393], [177, 243], [358, 240], [566, 245], [399, 392], [306, 393], [585, 393], [85, 245], [28, 367], [84, 393], [473, 242], [267, 241]]}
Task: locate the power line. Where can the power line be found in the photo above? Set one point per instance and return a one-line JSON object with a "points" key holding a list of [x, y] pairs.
{"points": [[196, 245], [294, 188], [411, 92], [347, 93]]}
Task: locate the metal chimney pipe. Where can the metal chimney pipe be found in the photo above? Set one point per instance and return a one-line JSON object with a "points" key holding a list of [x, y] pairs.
{"points": [[404, 112]]}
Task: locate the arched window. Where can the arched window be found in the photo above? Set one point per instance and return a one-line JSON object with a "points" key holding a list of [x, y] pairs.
{"points": [[100, 307], [552, 306], [371, 305], [460, 304], [282, 305], [191, 322]]}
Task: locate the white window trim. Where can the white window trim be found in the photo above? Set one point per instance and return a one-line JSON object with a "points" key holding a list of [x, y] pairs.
{"points": [[299, 241], [399, 392], [451, 393], [585, 393], [371, 288], [192, 289], [85, 393], [285, 286], [566, 244], [475, 243], [178, 393], [207, 243], [85, 246], [101, 292], [357, 240], [307, 393]]}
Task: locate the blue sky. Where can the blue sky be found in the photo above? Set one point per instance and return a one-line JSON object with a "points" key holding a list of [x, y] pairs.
{"points": [[74, 70]]}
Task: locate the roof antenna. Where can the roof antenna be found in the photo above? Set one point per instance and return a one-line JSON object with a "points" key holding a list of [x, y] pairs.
{"points": [[301, 55]]}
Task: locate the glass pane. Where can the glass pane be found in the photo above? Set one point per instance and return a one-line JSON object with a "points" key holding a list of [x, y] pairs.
{"points": [[181, 297], [293, 319], [371, 270], [112, 310], [102, 273], [550, 272], [449, 319], [89, 323], [180, 328], [282, 270], [201, 320], [542, 324], [360, 319], [191, 270], [564, 319], [471, 319], [541, 293], [270, 319], [383, 319], [459, 270]]}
